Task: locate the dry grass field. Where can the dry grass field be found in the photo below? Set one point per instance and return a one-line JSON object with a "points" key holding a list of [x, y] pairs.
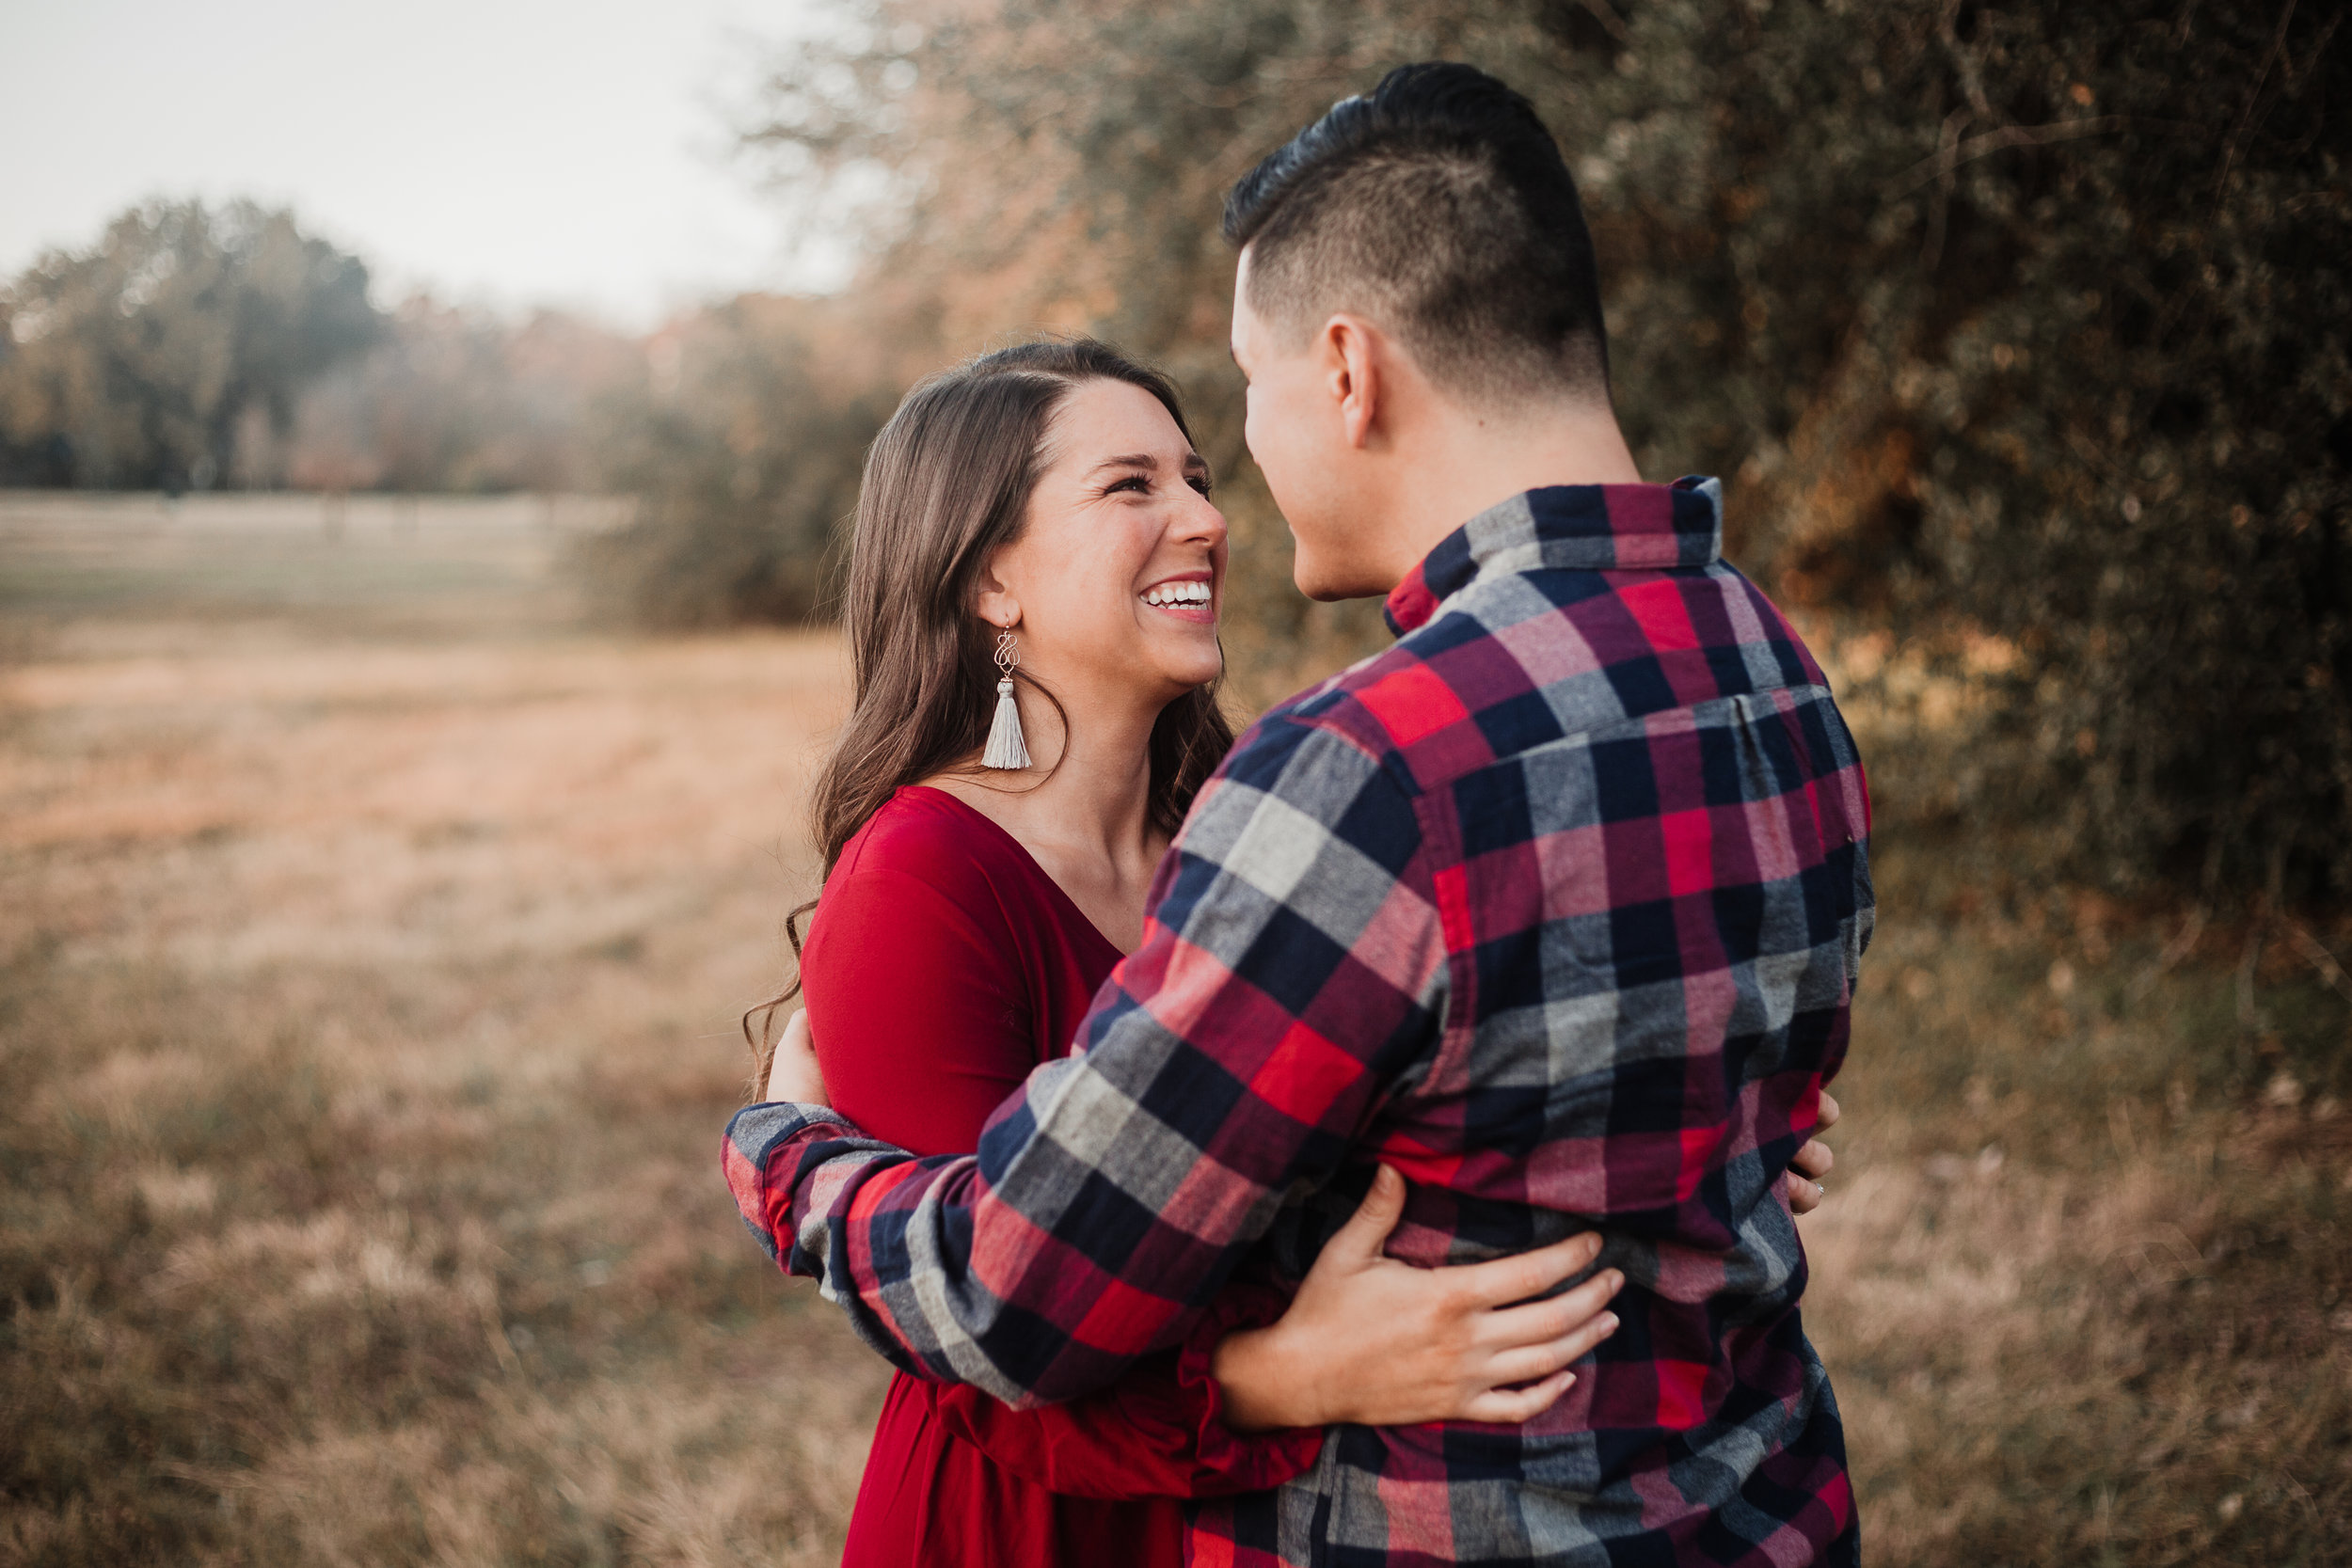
{"points": [[371, 929]]}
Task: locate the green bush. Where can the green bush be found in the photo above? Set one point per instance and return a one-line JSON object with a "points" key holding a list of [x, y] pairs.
{"points": [[743, 454]]}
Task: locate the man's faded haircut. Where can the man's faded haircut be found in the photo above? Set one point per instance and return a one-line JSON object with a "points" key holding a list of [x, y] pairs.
{"points": [[1439, 205]]}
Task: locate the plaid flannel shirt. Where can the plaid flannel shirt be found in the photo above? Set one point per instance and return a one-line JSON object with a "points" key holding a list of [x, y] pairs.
{"points": [[1557, 905]]}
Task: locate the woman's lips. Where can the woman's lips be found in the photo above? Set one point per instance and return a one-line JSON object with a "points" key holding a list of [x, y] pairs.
{"points": [[1186, 598]]}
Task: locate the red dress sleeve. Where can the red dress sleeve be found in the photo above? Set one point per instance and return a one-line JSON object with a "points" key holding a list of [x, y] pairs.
{"points": [[920, 1021], [1158, 1431], [915, 1010]]}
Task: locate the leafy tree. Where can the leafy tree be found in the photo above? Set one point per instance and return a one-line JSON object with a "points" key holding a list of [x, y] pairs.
{"points": [[2018, 333], [135, 362], [2025, 331]]}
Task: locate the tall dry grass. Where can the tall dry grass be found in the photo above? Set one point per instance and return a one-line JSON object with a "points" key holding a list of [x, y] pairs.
{"points": [[366, 1037], [370, 934]]}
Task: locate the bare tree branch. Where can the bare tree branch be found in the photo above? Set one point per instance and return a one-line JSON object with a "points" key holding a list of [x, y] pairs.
{"points": [[1606, 14], [1951, 158], [2315, 954], [2246, 120]]}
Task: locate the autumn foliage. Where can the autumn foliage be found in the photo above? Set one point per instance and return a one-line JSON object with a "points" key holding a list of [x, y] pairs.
{"points": [[2018, 334]]}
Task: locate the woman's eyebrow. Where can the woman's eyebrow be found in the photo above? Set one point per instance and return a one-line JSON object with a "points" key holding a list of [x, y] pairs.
{"points": [[1131, 460], [1193, 463]]}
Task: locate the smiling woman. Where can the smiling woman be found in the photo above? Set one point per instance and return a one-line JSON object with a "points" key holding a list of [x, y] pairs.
{"points": [[1110, 588], [1026, 479]]}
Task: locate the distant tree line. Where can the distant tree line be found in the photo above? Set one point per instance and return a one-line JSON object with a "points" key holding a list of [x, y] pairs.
{"points": [[194, 347], [146, 359], [458, 400]]}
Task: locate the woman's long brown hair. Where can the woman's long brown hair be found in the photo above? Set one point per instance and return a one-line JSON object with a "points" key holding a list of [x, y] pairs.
{"points": [[948, 484]]}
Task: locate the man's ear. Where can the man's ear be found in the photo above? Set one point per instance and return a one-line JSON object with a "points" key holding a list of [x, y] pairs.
{"points": [[1352, 353]]}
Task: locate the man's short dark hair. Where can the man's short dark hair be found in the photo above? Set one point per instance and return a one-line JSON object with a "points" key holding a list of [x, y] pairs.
{"points": [[1439, 204]]}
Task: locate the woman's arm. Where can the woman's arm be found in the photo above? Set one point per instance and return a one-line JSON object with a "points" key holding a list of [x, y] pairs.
{"points": [[916, 1000], [795, 1073], [1158, 1431]]}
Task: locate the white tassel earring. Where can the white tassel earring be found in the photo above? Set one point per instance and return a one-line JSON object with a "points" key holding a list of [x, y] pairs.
{"points": [[1007, 748]]}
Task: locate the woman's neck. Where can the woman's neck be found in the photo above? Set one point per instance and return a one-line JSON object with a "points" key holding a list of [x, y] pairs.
{"points": [[1083, 808]]}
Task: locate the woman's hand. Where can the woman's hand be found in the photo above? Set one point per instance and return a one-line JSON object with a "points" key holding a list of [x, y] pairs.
{"points": [[1812, 1163], [794, 1074], [1373, 1341]]}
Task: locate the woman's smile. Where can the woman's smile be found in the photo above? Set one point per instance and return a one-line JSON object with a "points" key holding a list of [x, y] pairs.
{"points": [[1187, 597]]}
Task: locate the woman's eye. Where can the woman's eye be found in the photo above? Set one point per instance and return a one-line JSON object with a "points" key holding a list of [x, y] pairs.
{"points": [[1200, 482], [1136, 482]]}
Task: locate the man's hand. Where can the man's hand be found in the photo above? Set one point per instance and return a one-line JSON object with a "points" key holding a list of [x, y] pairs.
{"points": [[1810, 1165], [795, 1074], [1372, 1341]]}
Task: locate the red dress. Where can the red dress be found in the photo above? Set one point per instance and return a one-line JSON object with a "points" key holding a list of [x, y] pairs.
{"points": [[941, 966]]}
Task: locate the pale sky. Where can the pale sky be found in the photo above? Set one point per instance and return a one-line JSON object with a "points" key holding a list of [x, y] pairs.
{"points": [[506, 153]]}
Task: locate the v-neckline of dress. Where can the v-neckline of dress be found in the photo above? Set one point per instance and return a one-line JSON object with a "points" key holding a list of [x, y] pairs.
{"points": [[1069, 904]]}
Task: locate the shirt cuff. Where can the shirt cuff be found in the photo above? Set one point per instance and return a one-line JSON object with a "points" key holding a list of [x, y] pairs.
{"points": [[767, 1151]]}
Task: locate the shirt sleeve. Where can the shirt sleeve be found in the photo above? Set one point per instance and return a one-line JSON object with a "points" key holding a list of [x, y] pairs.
{"points": [[1294, 963]]}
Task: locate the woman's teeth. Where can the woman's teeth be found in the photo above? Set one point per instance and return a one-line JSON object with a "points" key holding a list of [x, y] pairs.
{"points": [[1177, 592]]}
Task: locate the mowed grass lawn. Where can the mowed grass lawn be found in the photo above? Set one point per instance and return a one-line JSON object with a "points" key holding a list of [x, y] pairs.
{"points": [[373, 927]]}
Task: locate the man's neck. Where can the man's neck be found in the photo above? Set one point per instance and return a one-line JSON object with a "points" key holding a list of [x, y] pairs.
{"points": [[1460, 462]]}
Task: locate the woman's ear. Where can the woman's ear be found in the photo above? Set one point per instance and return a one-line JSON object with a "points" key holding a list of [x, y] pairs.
{"points": [[993, 602]]}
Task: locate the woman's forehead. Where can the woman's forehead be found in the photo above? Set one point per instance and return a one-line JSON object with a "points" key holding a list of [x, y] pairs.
{"points": [[1100, 420]]}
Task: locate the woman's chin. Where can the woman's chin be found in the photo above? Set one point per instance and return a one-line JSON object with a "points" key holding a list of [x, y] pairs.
{"points": [[1204, 665], [1179, 677]]}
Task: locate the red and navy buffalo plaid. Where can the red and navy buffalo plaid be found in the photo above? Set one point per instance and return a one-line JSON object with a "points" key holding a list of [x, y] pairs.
{"points": [[1557, 906]]}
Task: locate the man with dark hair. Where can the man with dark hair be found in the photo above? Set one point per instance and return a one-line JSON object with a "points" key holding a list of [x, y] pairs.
{"points": [[1556, 906], [1439, 205]]}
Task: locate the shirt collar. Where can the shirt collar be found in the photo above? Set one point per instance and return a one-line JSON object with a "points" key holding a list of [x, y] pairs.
{"points": [[1577, 528]]}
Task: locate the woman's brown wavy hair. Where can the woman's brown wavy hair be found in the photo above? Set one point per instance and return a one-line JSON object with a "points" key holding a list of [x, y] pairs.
{"points": [[948, 484]]}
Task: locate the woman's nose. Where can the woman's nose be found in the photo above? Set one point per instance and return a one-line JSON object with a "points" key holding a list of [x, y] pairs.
{"points": [[1199, 523]]}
